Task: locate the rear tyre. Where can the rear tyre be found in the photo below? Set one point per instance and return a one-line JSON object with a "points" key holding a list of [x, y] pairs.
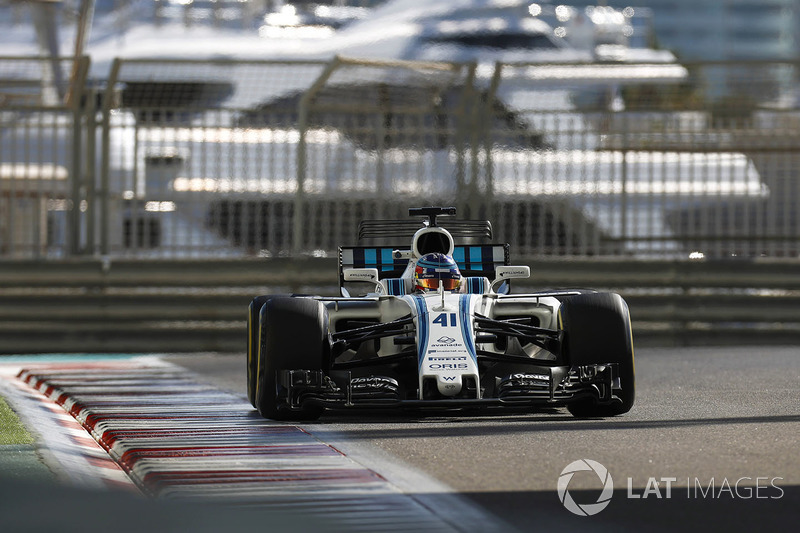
{"points": [[253, 329], [293, 336], [597, 329]]}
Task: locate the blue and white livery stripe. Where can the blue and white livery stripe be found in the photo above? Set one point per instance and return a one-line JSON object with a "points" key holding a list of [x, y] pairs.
{"points": [[475, 285], [422, 327], [395, 286], [464, 305]]}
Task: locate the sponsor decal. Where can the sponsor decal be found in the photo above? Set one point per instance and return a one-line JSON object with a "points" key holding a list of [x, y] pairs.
{"points": [[446, 340], [455, 347], [510, 273], [448, 366], [541, 377]]}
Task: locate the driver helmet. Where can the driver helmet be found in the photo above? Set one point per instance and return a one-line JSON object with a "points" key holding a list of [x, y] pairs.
{"points": [[435, 268]]}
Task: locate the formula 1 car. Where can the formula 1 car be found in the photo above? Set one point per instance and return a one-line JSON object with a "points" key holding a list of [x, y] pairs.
{"points": [[437, 327]]}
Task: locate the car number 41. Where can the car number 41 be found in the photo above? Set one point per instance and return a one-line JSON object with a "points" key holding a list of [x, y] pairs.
{"points": [[442, 320]]}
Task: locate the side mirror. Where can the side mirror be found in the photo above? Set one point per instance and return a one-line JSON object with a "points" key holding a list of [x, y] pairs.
{"points": [[369, 275], [504, 273], [511, 272]]}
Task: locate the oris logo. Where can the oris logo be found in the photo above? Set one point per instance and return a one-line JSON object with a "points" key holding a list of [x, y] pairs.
{"points": [[448, 366], [586, 509]]}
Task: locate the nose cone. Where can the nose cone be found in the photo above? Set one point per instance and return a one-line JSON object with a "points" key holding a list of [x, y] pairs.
{"points": [[449, 385]]}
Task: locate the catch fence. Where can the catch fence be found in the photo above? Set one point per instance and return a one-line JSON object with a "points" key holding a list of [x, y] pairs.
{"points": [[181, 159]]}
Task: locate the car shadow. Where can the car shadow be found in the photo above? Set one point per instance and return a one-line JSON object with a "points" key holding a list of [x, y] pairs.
{"points": [[411, 425]]}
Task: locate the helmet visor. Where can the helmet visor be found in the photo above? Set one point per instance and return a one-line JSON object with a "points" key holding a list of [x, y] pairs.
{"points": [[449, 284]]}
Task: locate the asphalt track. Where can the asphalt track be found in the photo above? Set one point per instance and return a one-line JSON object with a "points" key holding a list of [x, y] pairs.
{"points": [[719, 426], [724, 423]]}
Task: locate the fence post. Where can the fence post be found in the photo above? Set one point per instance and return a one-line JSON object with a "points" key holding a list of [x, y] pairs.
{"points": [[78, 185], [383, 128], [487, 128], [105, 147], [302, 162], [624, 197], [475, 195], [464, 194], [90, 120]]}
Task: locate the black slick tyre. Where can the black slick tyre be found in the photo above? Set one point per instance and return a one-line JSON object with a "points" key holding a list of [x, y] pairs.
{"points": [[597, 330], [253, 329], [293, 335]]}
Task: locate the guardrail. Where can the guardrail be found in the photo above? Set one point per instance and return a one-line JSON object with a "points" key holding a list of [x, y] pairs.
{"points": [[96, 305]]}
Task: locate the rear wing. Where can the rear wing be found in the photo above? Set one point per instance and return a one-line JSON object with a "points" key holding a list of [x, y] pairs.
{"points": [[472, 260], [463, 230]]}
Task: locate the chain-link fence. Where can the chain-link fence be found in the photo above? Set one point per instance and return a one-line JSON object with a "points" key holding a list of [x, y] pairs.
{"points": [[234, 158], [42, 155]]}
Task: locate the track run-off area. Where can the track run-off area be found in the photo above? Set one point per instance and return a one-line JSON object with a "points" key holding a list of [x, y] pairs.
{"points": [[711, 442]]}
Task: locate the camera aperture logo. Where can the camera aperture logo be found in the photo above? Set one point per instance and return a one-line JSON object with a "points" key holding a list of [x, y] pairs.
{"points": [[586, 509]]}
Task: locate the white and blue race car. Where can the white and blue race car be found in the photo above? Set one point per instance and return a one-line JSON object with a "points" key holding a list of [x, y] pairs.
{"points": [[428, 334]]}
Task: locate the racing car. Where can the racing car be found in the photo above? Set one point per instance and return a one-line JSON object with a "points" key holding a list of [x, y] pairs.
{"points": [[437, 326]]}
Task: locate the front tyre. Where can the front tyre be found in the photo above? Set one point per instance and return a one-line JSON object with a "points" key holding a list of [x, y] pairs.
{"points": [[293, 336], [253, 340], [597, 330]]}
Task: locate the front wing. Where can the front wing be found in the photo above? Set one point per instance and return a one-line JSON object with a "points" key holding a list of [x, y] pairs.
{"points": [[550, 386]]}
